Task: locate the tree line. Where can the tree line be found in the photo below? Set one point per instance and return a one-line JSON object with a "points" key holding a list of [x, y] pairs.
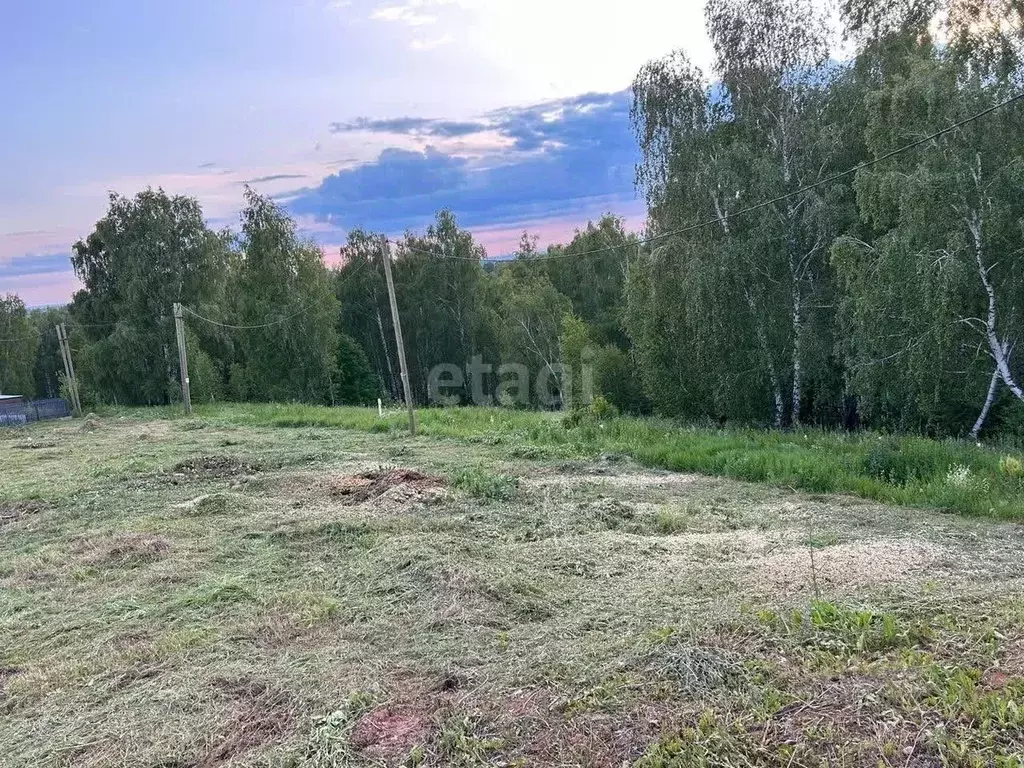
{"points": [[889, 297]]}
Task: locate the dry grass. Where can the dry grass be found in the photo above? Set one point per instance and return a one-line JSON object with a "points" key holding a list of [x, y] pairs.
{"points": [[200, 594]]}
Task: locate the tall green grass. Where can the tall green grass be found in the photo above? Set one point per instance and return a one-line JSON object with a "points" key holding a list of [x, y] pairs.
{"points": [[953, 475]]}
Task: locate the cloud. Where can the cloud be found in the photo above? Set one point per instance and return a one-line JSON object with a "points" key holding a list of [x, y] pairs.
{"points": [[410, 14], [29, 265], [418, 13], [411, 126], [39, 280], [430, 44], [562, 158], [272, 177], [37, 243]]}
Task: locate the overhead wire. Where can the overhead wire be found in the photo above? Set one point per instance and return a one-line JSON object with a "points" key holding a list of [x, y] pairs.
{"points": [[636, 243], [750, 209], [272, 323]]}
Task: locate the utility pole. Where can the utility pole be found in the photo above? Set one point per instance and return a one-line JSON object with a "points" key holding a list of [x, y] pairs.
{"points": [[386, 251], [69, 368], [179, 329]]}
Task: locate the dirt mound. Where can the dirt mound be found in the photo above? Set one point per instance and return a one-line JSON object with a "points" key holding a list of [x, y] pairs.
{"points": [[214, 504], [90, 423], [13, 511], [390, 734], [406, 483], [216, 466]]}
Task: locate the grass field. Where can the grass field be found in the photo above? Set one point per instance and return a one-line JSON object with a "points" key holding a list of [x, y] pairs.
{"points": [[293, 586], [951, 475]]}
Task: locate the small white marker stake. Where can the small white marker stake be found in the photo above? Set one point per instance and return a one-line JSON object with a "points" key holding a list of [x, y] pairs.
{"points": [[380, 408]]}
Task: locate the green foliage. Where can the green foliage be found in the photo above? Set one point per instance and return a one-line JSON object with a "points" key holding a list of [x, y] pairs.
{"points": [[329, 744], [985, 725], [597, 412], [280, 277], [461, 743], [437, 278], [146, 253], [577, 357], [19, 340], [887, 298], [528, 313], [48, 368], [1012, 467], [206, 380], [616, 377], [482, 484], [716, 743], [354, 382], [594, 283]]}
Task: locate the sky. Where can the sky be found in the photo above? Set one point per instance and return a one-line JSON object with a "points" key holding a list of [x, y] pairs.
{"points": [[351, 113]]}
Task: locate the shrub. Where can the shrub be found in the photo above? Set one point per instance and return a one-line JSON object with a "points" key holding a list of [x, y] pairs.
{"points": [[1011, 467], [598, 411]]}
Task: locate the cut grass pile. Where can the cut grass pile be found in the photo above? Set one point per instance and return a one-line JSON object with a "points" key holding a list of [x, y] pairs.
{"points": [[207, 592], [953, 475]]}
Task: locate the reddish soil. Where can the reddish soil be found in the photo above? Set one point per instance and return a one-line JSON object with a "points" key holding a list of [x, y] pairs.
{"points": [[389, 733], [355, 489]]}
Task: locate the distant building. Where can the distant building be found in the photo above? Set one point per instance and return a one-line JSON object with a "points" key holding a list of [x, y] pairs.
{"points": [[9, 401]]}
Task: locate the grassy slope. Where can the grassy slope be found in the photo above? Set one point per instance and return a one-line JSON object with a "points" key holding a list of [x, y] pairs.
{"points": [[193, 593], [905, 470]]}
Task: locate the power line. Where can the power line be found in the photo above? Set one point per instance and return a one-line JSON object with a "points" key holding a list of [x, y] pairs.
{"points": [[750, 209], [272, 323], [35, 335], [248, 327]]}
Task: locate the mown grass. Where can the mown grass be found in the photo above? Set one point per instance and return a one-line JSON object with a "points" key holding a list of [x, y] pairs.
{"points": [[201, 592], [952, 475]]}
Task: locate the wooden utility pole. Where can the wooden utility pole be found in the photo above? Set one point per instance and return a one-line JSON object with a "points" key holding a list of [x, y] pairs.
{"points": [[179, 329], [398, 339], [69, 368]]}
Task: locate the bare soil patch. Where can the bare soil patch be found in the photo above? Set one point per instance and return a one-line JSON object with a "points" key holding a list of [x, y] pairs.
{"points": [[90, 423], [397, 484], [6, 673], [33, 445], [390, 733], [13, 511], [260, 715], [216, 467], [125, 549]]}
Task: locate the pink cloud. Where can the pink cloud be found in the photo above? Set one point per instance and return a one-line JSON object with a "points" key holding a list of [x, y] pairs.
{"points": [[504, 238], [43, 288]]}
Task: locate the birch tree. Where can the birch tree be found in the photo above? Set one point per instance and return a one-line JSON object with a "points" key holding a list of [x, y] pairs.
{"points": [[938, 320], [761, 133], [283, 285], [146, 253]]}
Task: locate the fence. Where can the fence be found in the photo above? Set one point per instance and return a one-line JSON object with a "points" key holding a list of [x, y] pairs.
{"points": [[33, 410]]}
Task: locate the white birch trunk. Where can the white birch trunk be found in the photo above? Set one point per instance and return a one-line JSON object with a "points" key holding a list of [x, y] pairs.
{"points": [[998, 348], [989, 399], [797, 344]]}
